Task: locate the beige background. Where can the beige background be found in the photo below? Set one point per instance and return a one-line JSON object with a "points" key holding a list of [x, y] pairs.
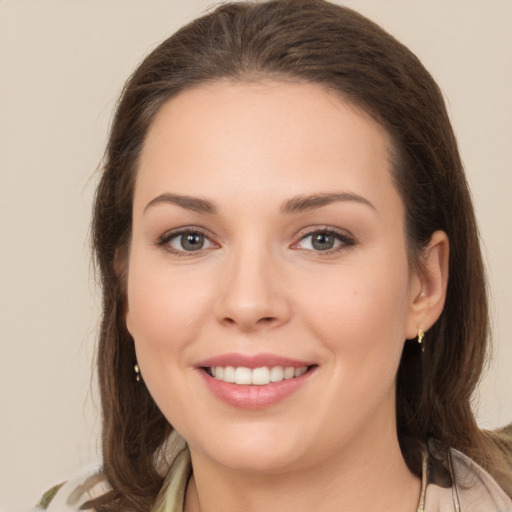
{"points": [[62, 65]]}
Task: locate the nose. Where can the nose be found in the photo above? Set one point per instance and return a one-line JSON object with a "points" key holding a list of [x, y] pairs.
{"points": [[252, 293]]}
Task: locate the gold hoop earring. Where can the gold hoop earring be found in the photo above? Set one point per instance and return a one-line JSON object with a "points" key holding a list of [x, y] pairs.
{"points": [[136, 369]]}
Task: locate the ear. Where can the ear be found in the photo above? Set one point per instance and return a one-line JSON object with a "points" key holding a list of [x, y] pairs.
{"points": [[428, 285]]}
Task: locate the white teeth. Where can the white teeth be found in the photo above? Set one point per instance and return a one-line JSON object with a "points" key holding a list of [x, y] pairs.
{"points": [[260, 376], [276, 374], [243, 375], [229, 374], [289, 373], [257, 376]]}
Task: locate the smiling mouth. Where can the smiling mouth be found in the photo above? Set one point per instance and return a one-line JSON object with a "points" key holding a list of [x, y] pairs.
{"points": [[261, 376]]}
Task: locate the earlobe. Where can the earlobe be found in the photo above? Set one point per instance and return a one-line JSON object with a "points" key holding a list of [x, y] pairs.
{"points": [[127, 320], [127, 315], [431, 282]]}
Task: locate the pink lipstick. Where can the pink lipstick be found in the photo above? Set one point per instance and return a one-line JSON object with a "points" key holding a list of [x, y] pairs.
{"points": [[254, 382]]}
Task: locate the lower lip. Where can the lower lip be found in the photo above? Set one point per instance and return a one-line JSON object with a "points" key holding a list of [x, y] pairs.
{"points": [[253, 396]]}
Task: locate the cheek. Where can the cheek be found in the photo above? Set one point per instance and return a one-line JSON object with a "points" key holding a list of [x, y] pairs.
{"points": [[165, 308], [365, 301], [164, 314], [360, 315]]}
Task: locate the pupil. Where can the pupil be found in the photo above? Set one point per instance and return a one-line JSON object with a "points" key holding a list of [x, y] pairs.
{"points": [[323, 241], [192, 241]]}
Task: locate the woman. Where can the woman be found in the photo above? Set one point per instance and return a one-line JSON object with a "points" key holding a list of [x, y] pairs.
{"points": [[294, 305]]}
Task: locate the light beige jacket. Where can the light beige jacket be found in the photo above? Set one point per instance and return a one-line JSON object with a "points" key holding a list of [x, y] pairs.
{"points": [[454, 485]]}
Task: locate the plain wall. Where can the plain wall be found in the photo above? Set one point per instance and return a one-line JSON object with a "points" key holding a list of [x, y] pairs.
{"points": [[62, 65]]}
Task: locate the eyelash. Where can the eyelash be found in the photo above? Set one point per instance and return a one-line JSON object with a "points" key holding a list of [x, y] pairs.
{"points": [[345, 240], [165, 240]]}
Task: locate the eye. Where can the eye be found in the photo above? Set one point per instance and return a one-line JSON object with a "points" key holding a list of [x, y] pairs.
{"points": [[324, 240], [186, 241]]}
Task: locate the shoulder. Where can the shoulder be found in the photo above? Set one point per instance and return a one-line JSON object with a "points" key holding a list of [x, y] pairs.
{"points": [[474, 487], [456, 483], [174, 464], [71, 495]]}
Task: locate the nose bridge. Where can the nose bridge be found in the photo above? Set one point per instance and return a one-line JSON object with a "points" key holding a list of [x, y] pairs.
{"points": [[252, 295]]}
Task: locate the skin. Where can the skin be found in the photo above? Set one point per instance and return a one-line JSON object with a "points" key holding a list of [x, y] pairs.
{"points": [[259, 286]]}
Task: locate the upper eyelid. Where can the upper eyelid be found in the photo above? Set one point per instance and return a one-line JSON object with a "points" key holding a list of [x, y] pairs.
{"points": [[164, 241], [347, 240], [310, 230], [171, 233]]}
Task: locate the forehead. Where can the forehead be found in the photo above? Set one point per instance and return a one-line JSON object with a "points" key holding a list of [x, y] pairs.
{"points": [[228, 136]]}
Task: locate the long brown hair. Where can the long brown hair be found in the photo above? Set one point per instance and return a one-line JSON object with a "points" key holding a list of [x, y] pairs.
{"points": [[319, 42]]}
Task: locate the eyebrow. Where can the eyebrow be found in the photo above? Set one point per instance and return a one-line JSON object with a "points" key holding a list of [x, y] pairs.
{"points": [[188, 202], [296, 204], [302, 203]]}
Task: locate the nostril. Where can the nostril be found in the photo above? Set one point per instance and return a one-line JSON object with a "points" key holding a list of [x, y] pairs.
{"points": [[262, 321]]}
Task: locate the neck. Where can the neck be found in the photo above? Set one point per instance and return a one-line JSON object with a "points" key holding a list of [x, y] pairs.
{"points": [[369, 475]]}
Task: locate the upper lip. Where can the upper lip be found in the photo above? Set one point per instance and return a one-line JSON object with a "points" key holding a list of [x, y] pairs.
{"points": [[252, 361]]}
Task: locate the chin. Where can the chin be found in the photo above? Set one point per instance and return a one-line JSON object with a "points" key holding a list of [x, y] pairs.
{"points": [[255, 450], [264, 460]]}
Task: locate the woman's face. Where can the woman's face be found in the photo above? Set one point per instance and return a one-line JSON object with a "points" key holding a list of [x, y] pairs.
{"points": [[268, 241]]}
